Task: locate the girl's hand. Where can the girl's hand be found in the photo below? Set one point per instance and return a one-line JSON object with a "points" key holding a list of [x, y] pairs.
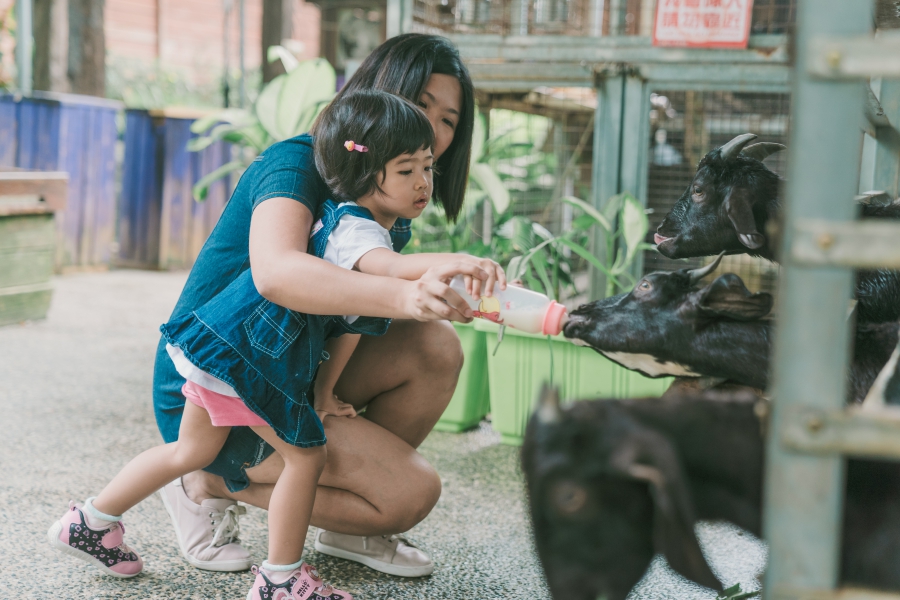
{"points": [[475, 287], [328, 404]]}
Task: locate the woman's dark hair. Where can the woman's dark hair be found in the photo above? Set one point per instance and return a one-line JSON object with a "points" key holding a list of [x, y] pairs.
{"points": [[387, 125], [402, 66]]}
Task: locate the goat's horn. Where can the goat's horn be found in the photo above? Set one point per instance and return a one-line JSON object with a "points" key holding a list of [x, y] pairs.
{"points": [[698, 274], [734, 147], [548, 405], [761, 150]]}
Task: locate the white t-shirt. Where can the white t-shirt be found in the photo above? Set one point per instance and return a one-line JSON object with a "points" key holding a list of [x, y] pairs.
{"points": [[350, 239]]}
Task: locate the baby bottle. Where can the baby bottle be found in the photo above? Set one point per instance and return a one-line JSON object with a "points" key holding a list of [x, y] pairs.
{"points": [[517, 307]]}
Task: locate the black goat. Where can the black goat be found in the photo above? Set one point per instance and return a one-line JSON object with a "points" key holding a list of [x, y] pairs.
{"points": [[667, 326], [613, 482], [729, 205]]}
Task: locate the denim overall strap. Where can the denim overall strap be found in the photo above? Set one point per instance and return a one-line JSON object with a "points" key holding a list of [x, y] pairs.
{"points": [[330, 215]]}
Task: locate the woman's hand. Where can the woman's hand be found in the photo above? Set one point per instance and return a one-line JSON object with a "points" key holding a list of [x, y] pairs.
{"points": [[430, 297]]}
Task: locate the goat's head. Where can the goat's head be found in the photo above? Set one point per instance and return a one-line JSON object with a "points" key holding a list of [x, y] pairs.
{"points": [[593, 468], [726, 206], [651, 329]]}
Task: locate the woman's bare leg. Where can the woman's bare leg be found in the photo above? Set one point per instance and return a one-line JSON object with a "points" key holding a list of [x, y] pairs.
{"points": [[374, 481]]}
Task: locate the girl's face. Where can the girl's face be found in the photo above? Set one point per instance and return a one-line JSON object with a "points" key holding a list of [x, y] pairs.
{"points": [[441, 101], [407, 186]]}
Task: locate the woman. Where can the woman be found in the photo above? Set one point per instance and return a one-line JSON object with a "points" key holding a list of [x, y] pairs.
{"points": [[374, 484]]}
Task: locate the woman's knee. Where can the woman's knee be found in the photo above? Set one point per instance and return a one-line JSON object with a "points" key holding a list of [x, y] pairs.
{"points": [[420, 497], [437, 346]]}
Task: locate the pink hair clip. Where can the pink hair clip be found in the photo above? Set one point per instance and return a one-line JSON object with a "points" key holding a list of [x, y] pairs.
{"points": [[351, 146]]}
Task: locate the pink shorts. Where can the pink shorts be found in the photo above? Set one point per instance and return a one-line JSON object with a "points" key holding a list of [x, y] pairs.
{"points": [[224, 411]]}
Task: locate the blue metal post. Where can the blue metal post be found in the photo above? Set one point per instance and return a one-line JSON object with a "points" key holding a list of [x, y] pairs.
{"points": [[804, 492]]}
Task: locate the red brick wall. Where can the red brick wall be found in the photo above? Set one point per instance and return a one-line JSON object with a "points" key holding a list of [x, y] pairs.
{"points": [[188, 34]]}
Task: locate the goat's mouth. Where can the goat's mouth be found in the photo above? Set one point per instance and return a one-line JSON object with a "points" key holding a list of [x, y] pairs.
{"points": [[661, 239], [576, 329]]}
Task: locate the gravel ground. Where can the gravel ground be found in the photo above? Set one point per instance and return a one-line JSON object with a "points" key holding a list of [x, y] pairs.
{"points": [[75, 390]]}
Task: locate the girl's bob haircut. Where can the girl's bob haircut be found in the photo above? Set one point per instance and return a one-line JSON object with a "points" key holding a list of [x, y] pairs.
{"points": [[386, 125], [403, 65]]}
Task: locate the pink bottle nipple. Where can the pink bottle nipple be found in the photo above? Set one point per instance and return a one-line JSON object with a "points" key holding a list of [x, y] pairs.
{"points": [[554, 318]]}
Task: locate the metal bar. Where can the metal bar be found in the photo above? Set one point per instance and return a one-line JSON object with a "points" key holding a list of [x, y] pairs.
{"points": [[633, 168], [393, 18], [854, 57], [887, 143], [606, 162], [525, 76], [803, 498], [787, 593], [859, 244], [872, 434], [24, 45]]}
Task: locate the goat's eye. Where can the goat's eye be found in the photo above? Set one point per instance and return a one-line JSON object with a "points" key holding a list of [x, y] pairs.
{"points": [[645, 286], [698, 191], [569, 497]]}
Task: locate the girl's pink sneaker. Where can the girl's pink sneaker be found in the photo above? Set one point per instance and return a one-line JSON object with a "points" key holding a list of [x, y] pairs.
{"points": [[103, 548], [303, 584]]}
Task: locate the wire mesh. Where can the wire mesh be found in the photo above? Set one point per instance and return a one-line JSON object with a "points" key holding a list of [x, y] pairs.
{"points": [[571, 17], [684, 127]]}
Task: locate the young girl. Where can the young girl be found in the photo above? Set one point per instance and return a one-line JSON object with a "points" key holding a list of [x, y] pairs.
{"points": [[250, 362]]}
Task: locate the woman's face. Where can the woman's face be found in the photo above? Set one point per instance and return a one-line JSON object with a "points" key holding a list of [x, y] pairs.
{"points": [[441, 100]]}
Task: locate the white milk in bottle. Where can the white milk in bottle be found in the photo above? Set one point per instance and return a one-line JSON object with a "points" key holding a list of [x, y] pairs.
{"points": [[516, 307]]}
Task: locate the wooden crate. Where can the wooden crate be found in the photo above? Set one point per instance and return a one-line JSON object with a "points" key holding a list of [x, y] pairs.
{"points": [[28, 201]]}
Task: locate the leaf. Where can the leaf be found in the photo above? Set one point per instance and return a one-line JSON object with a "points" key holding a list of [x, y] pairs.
{"points": [[541, 266], [235, 116], [583, 253], [266, 107], [634, 226], [588, 210], [311, 83], [488, 180], [513, 269], [612, 207], [479, 134], [308, 117], [201, 188], [289, 61]]}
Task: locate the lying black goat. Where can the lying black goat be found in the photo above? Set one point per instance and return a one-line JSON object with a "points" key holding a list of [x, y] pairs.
{"points": [[667, 326], [731, 201], [613, 482]]}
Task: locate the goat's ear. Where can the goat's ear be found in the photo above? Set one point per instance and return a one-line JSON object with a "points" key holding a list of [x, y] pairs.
{"points": [[739, 208], [649, 457], [728, 297]]}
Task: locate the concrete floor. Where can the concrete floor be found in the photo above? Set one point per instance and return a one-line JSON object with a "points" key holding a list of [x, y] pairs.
{"points": [[75, 395]]}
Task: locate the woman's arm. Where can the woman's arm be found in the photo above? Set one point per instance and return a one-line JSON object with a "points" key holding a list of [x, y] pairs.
{"points": [[287, 275]]}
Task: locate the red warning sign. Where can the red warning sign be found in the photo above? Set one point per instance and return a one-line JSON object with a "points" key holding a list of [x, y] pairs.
{"points": [[703, 23]]}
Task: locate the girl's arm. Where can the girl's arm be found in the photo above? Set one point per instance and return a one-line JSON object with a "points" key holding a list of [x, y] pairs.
{"points": [[287, 275], [386, 263]]}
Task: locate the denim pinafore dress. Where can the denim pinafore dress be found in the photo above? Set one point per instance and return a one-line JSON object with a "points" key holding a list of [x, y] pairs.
{"points": [[269, 354]]}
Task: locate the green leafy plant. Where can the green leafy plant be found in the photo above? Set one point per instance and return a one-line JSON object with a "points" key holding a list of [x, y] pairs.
{"points": [[623, 224], [286, 107]]}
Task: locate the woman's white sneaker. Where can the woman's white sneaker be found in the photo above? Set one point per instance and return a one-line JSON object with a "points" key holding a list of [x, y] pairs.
{"points": [[391, 554], [207, 532]]}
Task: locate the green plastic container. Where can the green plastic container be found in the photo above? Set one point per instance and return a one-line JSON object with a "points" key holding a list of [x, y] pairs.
{"points": [[470, 401], [522, 365]]}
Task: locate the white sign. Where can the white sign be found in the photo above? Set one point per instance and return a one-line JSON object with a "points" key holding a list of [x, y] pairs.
{"points": [[703, 23]]}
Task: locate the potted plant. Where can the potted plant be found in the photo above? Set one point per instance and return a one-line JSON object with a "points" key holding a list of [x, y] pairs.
{"points": [[519, 365]]}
